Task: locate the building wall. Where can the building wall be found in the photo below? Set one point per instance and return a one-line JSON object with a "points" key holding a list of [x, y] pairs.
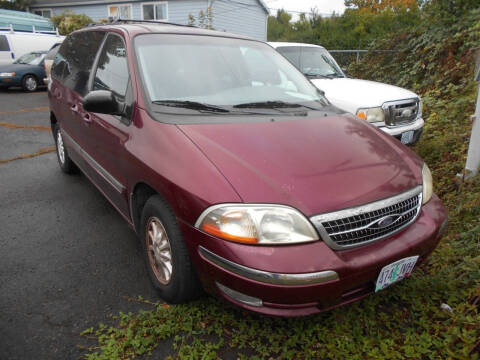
{"points": [[245, 17], [239, 18]]}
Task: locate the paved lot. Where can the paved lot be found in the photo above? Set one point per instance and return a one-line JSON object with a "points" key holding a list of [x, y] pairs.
{"points": [[67, 258]]}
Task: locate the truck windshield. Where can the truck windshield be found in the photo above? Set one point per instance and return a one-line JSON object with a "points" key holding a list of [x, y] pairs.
{"points": [[200, 72], [32, 58], [314, 62]]}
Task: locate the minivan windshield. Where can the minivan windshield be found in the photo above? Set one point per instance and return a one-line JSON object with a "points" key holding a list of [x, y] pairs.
{"points": [[210, 73], [33, 58], [312, 61]]}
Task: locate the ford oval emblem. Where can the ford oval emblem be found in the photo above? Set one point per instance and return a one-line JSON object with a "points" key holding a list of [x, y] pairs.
{"points": [[387, 221]]}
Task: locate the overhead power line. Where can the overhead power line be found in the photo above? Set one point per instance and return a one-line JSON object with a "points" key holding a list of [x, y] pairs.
{"points": [[245, 6], [303, 12]]}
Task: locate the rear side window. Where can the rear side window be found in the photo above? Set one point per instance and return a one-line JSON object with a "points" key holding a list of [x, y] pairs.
{"points": [[73, 63], [292, 53], [112, 69], [4, 43]]}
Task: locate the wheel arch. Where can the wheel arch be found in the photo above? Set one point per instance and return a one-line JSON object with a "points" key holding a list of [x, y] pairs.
{"points": [[53, 120], [32, 74], [139, 195]]}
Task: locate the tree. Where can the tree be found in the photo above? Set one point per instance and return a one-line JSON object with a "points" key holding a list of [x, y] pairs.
{"points": [[69, 21], [14, 4], [279, 27], [376, 6], [204, 20]]}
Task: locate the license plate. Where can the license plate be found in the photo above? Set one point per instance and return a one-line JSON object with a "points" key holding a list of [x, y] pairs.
{"points": [[407, 137], [395, 272]]}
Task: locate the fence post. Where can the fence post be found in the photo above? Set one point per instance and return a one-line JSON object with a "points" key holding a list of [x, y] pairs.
{"points": [[473, 157]]}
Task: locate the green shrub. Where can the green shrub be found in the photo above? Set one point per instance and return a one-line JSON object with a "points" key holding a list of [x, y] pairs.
{"points": [[68, 22]]}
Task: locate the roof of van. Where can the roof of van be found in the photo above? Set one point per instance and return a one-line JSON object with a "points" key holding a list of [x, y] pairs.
{"points": [[24, 21], [134, 27], [287, 44]]}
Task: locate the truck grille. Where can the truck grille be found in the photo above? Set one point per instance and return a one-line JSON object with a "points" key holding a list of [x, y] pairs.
{"points": [[401, 112], [372, 222]]}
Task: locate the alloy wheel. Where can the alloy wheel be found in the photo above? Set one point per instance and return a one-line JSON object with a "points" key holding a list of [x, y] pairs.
{"points": [[31, 83], [60, 148], [159, 250]]}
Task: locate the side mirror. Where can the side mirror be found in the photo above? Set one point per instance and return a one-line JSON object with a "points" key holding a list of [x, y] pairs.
{"points": [[103, 102]]}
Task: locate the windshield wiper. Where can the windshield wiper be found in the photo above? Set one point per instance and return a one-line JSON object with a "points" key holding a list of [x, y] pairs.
{"points": [[193, 105], [267, 105], [271, 105], [316, 76]]}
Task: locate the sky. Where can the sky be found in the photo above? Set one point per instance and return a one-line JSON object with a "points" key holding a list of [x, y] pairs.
{"points": [[325, 7]]}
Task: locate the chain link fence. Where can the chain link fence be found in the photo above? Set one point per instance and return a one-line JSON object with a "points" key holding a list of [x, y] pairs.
{"points": [[346, 57]]}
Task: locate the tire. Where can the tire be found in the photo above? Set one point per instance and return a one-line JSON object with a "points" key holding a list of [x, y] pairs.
{"points": [[66, 164], [166, 256], [29, 83]]}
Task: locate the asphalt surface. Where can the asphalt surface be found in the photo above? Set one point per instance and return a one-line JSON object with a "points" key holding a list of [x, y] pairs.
{"points": [[68, 259]]}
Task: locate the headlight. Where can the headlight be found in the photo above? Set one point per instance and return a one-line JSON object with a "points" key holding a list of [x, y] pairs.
{"points": [[420, 109], [427, 184], [5, 74], [257, 224], [372, 115]]}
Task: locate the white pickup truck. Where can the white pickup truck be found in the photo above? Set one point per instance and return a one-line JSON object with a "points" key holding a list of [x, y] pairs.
{"points": [[394, 110]]}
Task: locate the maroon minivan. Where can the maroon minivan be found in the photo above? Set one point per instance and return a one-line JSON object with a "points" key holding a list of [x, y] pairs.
{"points": [[237, 174]]}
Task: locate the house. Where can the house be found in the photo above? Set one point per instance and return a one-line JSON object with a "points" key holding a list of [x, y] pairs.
{"points": [[245, 17]]}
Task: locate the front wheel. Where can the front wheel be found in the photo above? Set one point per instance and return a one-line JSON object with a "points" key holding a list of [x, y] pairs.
{"points": [[66, 164], [29, 83], [166, 255]]}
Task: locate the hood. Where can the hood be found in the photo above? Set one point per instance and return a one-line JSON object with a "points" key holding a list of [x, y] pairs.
{"points": [[352, 94], [313, 164]]}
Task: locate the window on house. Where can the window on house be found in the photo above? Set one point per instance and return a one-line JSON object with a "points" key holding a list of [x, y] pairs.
{"points": [[47, 13], [120, 11], [155, 11]]}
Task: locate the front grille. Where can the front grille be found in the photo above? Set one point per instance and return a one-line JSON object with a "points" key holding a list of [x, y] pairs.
{"points": [[357, 226], [401, 112]]}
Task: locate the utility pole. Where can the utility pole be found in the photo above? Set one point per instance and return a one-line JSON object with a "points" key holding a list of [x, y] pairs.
{"points": [[473, 158]]}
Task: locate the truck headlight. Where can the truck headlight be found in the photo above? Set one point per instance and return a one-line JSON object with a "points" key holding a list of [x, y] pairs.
{"points": [[7, 74], [427, 184], [257, 224], [372, 115]]}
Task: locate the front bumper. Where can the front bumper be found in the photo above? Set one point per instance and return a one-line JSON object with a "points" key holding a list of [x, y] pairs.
{"points": [[399, 130], [304, 279], [10, 81]]}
